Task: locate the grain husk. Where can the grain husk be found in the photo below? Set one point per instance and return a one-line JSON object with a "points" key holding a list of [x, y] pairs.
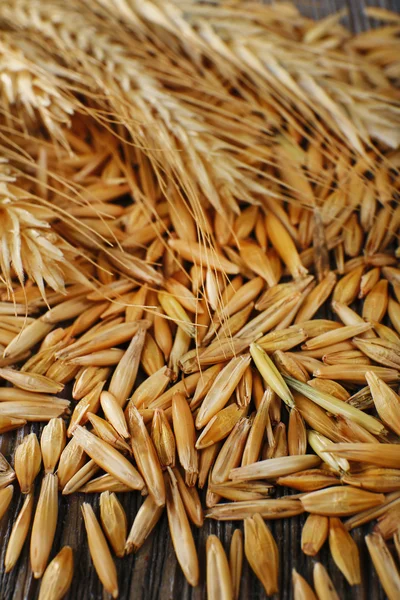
{"points": [[44, 525], [219, 584], [344, 551], [384, 565], [114, 522], [58, 576], [261, 552], [181, 534], [314, 534], [99, 551], [27, 462]]}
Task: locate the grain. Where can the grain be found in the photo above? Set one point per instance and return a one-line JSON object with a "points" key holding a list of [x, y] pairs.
{"points": [[82, 476], [31, 382], [270, 374], [103, 358], [206, 461], [316, 298], [44, 525], [244, 389], [125, 373], [344, 551], [283, 339], [88, 404], [181, 534], [219, 584], [175, 311], [236, 561], [384, 565], [179, 349], [257, 260], [67, 310], [18, 534], [355, 373], [104, 430], [383, 352], [297, 436], [191, 500], [231, 452], [28, 338], [185, 437], [388, 455], [109, 338], [220, 426], [104, 483], [99, 551], [151, 388], [335, 336], [146, 456], [72, 459], [113, 520], [162, 333], [87, 380], [221, 389], [145, 520], [52, 443], [276, 467], [376, 302], [388, 522], [262, 552], [301, 589], [108, 458], [58, 576], [6, 495], [340, 501], [114, 413], [374, 479], [330, 387], [319, 443], [268, 509], [10, 423], [271, 317], [323, 584], [202, 256], [386, 401], [247, 490], [308, 480], [27, 462], [314, 534], [337, 407], [255, 438], [288, 365]]}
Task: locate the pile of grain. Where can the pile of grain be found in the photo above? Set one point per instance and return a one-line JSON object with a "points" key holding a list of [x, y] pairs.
{"points": [[186, 191]]}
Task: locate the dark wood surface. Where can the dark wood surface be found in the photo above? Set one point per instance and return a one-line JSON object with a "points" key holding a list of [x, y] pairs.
{"points": [[153, 573]]}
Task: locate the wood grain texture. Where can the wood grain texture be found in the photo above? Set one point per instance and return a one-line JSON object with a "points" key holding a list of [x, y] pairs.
{"points": [[153, 573]]}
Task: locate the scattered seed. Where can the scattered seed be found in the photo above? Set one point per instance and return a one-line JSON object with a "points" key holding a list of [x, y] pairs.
{"points": [[99, 551], [113, 520], [344, 551], [261, 552], [314, 534], [27, 462], [219, 584], [44, 525], [58, 576], [384, 565]]}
